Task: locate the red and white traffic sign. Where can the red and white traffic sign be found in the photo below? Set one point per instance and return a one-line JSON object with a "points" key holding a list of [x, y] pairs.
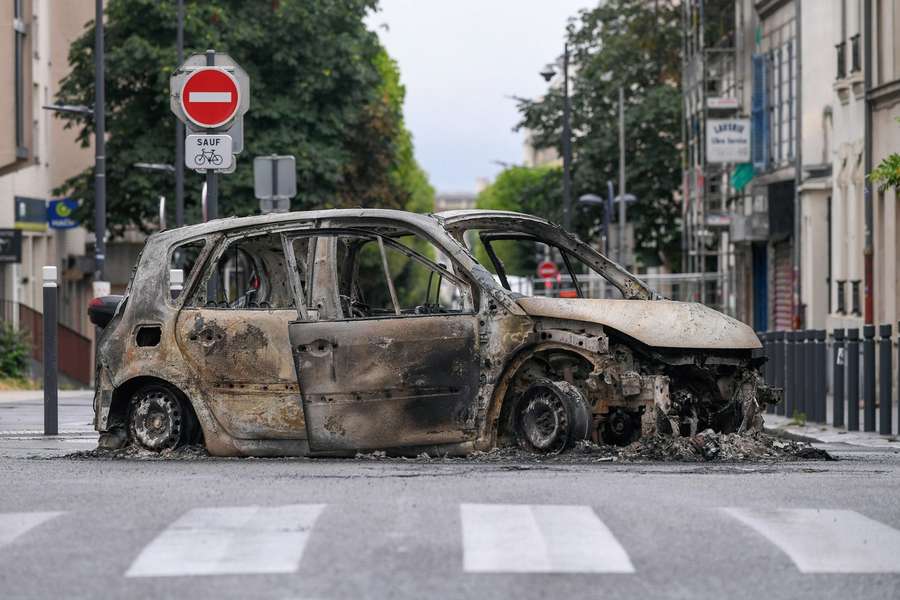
{"points": [[547, 270], [210, 97]]}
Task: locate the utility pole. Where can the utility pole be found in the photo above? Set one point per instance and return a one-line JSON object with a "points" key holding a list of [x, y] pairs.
{"points": [[212, 181], [567, 145], [99, 148], [621, 254], [179, 131]]}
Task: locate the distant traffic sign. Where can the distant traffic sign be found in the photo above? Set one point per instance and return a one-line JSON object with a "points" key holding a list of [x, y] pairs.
{"points": [[547, 270], [203, 152], [210, 97]]}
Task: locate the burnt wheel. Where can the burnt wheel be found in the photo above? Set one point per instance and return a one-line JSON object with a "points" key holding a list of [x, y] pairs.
{"points": [[158, 419], [551, 416]]}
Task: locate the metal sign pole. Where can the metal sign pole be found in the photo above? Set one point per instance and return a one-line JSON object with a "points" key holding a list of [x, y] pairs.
{"points": [[212, 181]]}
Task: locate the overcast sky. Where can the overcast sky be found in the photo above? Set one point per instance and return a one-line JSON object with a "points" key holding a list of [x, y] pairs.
{"points": [[461, 60]]}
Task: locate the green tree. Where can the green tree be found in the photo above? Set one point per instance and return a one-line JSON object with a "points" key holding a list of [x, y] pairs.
{"points": [[887, 173], [634, 44], [531, 190], [320, 90]]}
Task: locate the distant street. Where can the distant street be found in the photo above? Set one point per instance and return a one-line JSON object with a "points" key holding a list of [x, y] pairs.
{"points": [[456, 529]]}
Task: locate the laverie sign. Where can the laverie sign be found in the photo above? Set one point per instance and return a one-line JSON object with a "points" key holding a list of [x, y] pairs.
{"points": [[727, 140]]}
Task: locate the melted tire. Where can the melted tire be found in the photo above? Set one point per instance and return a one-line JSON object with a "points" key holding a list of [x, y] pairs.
{"points": [[159, 419], [551, 417]]}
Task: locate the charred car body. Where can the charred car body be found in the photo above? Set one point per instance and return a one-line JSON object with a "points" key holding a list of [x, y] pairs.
{"points": [[331, 332]]}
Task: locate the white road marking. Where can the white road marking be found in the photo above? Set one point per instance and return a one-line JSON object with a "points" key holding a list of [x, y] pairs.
{"points": [[214, 541], [12, 525], [209, 97], [827, 541], [521, 538]]}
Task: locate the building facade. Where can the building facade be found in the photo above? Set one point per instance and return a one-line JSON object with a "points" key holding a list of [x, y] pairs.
{"points": [[759, 217], [866, 82], [37, 155]]}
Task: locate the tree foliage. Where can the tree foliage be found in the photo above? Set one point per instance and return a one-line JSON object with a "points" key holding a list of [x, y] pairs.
{"points": [[531, 190], [634, 44], [322, 89], [887, 173]]}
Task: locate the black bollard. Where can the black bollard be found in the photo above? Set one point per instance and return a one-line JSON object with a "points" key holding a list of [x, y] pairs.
{"points": [[839, 352], [799, 370], [809, 375], [885, 346], [853, 379], [778, 366], [50, 326], [868, 378], [789, 372], [821, 378]]}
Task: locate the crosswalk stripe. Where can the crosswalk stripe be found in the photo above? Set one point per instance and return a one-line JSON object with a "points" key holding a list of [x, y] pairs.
{"points": [[228, 540], [521, 538], [12, 525], [827, 541]]}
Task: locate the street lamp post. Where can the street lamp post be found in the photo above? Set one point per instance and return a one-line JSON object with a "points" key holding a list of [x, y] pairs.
{"points": [[566, 137], [99, 148], [179, 131], [98, 114]]}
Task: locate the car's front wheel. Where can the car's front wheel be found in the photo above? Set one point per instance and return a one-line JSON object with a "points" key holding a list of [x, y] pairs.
{"points": [[551, 416], [159, 419]]}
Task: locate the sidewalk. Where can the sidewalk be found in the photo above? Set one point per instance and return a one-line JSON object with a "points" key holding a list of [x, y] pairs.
{"points": [[820, 433]]}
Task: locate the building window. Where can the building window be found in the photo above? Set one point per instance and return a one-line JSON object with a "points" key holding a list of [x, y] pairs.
{"points": [[19, 58], [779, 47], [842, 297], [841, 60], [855, 56], [857, 310]]}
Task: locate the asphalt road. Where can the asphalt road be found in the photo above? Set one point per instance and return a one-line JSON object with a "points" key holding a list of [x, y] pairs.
{"points": [[460, 529]]}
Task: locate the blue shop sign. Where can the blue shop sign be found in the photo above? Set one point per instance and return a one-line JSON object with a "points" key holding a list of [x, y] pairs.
{"points": [[59, 213]]}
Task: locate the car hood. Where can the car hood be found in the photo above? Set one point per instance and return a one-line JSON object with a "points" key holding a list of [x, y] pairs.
{"points": [[659, 323]]}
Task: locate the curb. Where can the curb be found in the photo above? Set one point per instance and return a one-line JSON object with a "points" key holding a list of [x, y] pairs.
{"points": [[795, 437]]}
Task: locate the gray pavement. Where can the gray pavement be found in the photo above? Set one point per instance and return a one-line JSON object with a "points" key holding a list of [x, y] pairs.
{"points": [[447, 529]]}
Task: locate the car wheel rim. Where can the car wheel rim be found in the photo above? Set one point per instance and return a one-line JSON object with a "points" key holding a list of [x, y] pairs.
{"points": [[156, 420], [543, 423]]}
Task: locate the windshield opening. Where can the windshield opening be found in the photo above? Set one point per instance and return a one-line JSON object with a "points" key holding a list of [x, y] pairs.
{"points": [[529, 265]]}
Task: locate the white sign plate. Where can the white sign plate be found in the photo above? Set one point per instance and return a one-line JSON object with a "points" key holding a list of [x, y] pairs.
{"points": [[727, 140], [722, 102], [208, 152]]}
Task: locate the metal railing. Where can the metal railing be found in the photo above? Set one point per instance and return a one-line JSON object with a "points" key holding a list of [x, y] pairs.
{"points": [[74, 348], [855, 372], [706, 288]]}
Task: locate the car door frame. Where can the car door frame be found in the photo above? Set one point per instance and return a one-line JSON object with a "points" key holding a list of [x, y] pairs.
{"points": [[391, 381]]}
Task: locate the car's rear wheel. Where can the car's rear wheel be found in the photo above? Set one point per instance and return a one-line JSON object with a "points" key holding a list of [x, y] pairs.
{"points": [[159, 419], [551, 416]]}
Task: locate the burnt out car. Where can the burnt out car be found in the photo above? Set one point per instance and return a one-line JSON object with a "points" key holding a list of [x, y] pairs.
{"points": [[332, 332]]}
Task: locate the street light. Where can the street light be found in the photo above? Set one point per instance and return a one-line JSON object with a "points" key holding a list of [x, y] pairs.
{"points": [[72, 109], [98, 114], [548, 74], [155, 167], [595, 200]]}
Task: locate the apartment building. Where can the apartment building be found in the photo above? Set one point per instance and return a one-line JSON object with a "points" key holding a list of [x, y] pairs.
{"points": [[866, 100], [37, 155]]}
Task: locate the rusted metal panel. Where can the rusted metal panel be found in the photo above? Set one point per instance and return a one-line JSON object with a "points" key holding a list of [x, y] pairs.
{"points": [[392, 382], [658, 323], [242, 359]]}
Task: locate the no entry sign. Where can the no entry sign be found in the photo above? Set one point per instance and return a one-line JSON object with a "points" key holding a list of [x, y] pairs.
{"points": [[210, 97], [547, 270]]}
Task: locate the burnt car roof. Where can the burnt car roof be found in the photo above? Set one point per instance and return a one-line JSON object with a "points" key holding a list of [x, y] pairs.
{"points": [[235, 223]]}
